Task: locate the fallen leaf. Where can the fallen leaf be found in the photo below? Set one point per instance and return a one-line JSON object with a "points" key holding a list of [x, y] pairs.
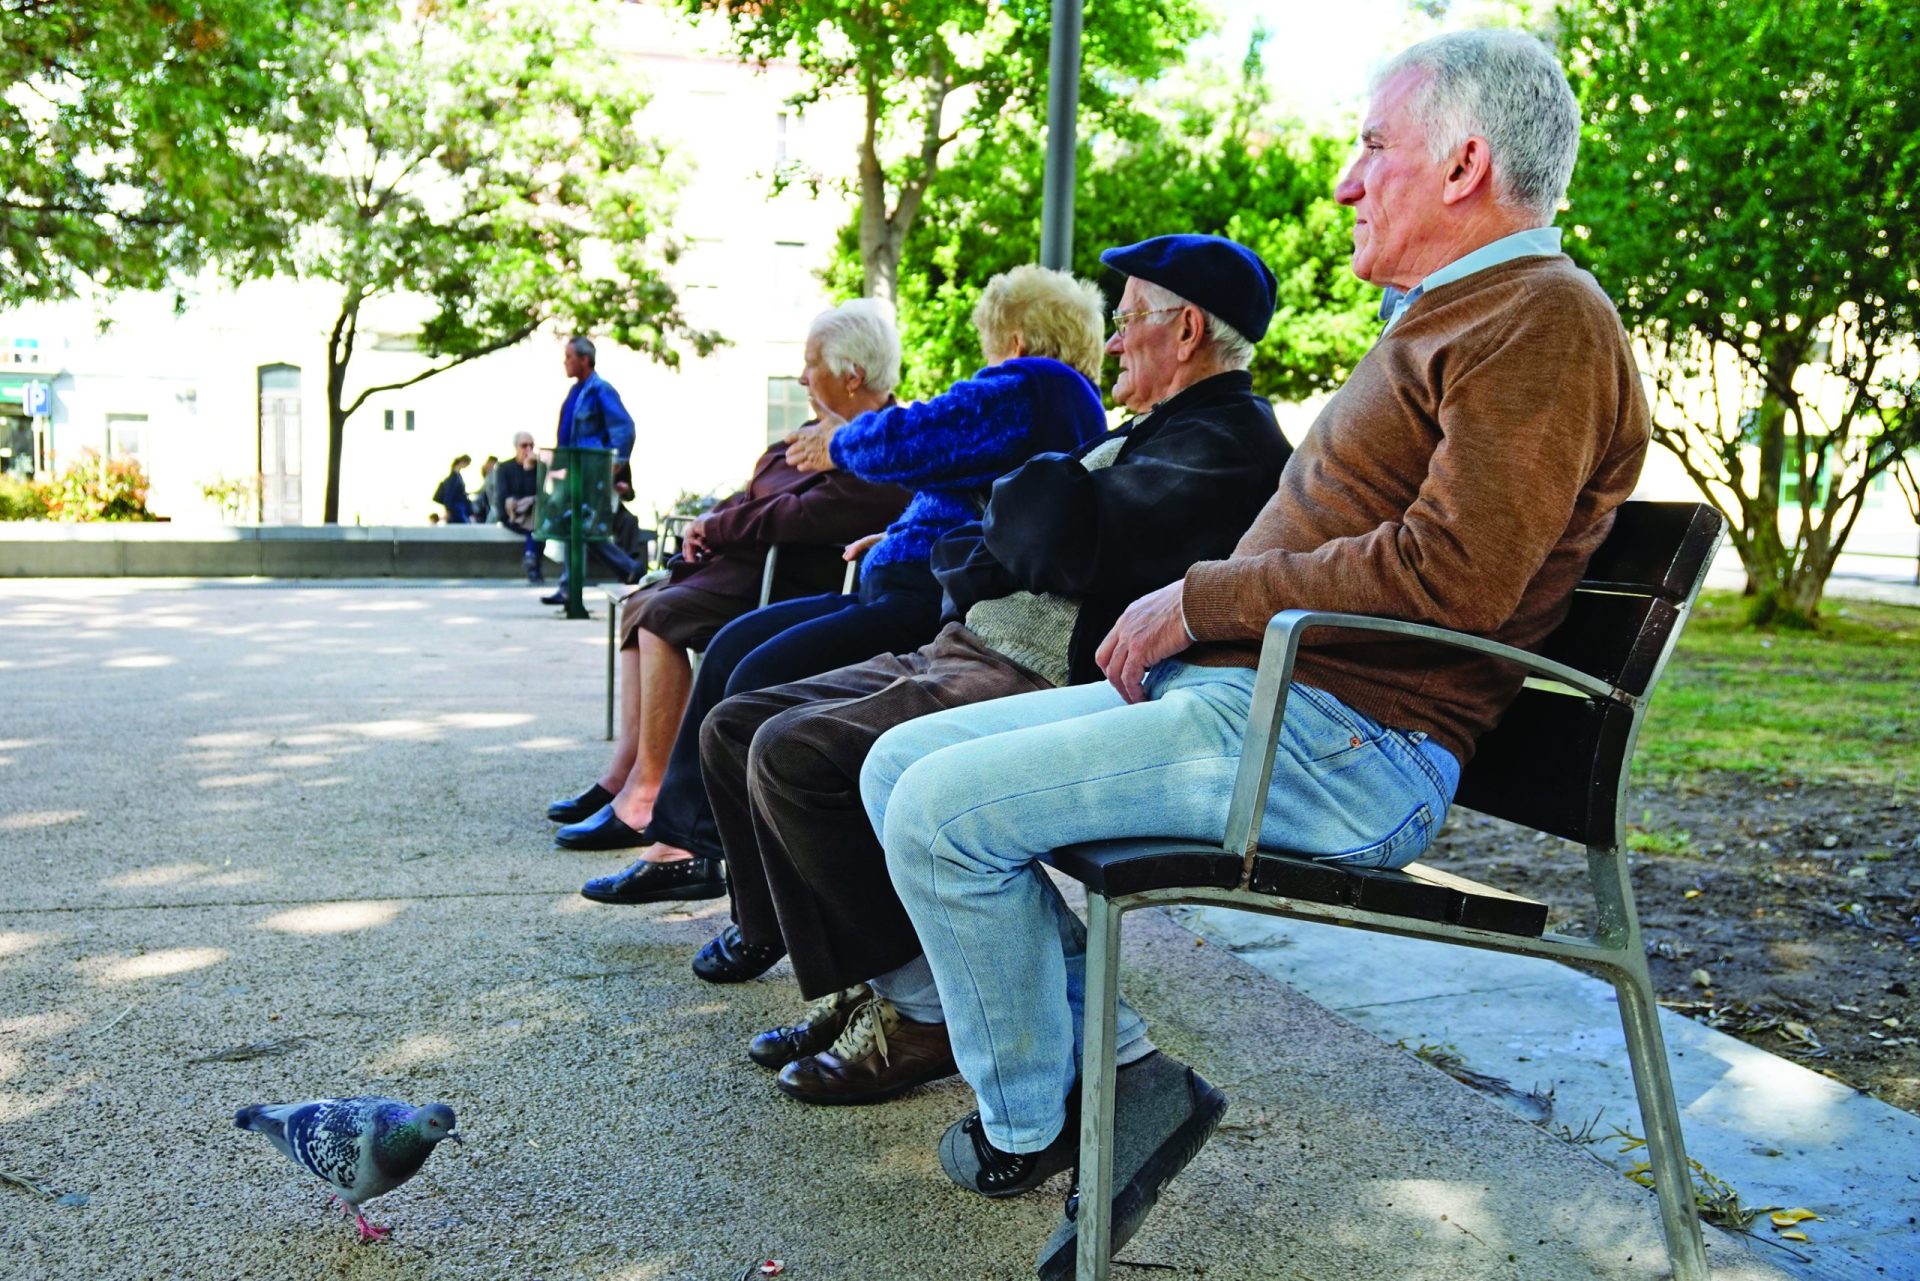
{"points": [[1787, 1218], [1692, 894], [1793, 1236], [1702, 979]]}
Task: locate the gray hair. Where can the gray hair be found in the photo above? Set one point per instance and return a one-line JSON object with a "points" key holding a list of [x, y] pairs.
{"points": [[580, 346], [524, 435], [1233, 349], [860, 335], [1506, 87]]}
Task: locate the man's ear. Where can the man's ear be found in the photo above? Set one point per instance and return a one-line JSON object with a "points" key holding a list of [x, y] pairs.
{"points": [[1469, 170], [1193, 332]]}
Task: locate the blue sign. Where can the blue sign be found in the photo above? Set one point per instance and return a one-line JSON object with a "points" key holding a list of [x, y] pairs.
{"points": [[36, 399]]}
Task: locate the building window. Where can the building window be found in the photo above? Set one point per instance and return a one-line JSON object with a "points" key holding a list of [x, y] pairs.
{"points": [[389, 417], [787, 407], [127, 437]]}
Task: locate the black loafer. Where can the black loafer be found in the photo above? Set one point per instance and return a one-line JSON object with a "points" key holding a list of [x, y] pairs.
{"points": [[604, 831], [728, 958], [554, 598], [971, 1160], [575, 808], [644, 882]]}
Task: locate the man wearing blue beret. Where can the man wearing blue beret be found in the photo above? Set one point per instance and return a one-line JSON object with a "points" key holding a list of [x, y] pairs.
{"points": [[1065, 542], [1461, 478]]}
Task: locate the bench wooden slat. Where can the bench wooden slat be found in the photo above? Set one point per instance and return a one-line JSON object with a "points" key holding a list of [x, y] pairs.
{"points": [[1478, 906]]}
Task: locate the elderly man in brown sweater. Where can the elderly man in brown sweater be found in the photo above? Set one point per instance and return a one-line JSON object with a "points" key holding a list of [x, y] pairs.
{"points": [[1462, 477]]}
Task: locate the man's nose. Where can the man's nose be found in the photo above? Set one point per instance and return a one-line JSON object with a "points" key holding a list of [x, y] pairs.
{"points": [[1349, 189], [1113, 343]]}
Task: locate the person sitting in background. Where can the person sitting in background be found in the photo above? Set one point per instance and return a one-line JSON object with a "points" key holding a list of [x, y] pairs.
{"points": [[716, 577], [452, 494], [1041, 333], [481, 500], [515, 484]]}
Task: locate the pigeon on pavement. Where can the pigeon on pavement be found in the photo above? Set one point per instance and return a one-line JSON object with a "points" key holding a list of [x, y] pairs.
{"points": [[361, 1147]]}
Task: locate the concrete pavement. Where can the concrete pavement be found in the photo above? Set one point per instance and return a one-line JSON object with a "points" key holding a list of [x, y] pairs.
{"points": [[233, 814]]}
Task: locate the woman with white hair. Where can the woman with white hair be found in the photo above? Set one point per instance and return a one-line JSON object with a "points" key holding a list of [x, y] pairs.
{"points": [[1041, 332], [853, 361]]}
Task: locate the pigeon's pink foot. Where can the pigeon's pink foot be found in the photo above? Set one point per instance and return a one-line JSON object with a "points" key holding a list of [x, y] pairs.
{"points": [[369, 1231], [340, 1205]]}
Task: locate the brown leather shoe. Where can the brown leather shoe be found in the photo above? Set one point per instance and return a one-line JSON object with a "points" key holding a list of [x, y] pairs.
{"points": [[817, 1029], [878, 1057]]}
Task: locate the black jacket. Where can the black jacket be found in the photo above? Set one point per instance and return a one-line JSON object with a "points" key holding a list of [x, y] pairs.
{"points": [[1189, 480], [511, 480]]}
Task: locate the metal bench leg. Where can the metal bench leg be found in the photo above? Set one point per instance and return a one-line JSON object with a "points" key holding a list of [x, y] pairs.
{"points": [[1660, 1115], [613, 649], [1095, 1220]]}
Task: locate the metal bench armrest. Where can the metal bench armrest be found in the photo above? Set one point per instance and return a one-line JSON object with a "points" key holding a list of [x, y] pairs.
{"points": [[1280, 650]]}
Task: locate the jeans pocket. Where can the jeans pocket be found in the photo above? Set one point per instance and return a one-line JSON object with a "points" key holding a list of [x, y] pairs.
{"points": [[1328, 729]]}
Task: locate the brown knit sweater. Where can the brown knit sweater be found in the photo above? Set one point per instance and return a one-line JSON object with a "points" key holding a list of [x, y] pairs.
{"points": [[1462, 477]]}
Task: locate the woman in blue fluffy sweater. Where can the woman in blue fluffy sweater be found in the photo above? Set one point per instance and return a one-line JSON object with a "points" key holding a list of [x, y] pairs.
{"points": [[1041, 332]]}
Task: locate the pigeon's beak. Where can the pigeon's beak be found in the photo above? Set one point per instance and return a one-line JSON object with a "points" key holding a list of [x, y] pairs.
{"points": [[456, 1137]]}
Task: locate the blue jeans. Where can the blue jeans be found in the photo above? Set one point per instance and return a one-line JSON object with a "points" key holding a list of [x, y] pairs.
{"points": [[969, 801]]}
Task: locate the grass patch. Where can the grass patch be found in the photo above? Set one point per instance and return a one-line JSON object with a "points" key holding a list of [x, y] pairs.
{"points": [[1651, 841], [1836, 704]]}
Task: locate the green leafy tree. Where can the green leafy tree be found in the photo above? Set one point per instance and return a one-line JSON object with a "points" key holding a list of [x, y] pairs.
{"points": [[929, 72], [1746, 189], [486, 160], [126, 134], [1209, 161]]}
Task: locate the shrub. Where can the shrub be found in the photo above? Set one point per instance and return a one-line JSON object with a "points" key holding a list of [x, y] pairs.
{"points": [[22, 499], [234, 497], [89, 490]]}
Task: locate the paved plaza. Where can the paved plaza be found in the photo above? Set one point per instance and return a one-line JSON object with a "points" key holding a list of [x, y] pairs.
{"points": [[310, 818]]}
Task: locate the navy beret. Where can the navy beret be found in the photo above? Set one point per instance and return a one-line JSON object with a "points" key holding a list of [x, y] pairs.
{"points": [[1211, 272]]}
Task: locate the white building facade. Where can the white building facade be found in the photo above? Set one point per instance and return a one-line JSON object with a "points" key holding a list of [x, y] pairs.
{"points": [[235, 385]]}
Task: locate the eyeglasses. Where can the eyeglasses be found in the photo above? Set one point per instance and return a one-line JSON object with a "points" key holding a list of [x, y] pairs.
{"points": [[1121, 319]]}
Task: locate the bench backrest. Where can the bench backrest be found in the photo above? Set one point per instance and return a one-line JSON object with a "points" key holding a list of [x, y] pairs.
{"points": [[1557, 761]]}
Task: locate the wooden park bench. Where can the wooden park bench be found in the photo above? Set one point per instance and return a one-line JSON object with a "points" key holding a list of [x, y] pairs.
{"points": [[1557, 763]]}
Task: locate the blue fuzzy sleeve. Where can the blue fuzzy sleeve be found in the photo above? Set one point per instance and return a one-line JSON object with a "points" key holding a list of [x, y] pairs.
{"points": [[974, 431]]}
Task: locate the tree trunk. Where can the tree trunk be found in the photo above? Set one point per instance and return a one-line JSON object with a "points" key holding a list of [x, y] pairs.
{"points": [[879, 251], [339, 352]]}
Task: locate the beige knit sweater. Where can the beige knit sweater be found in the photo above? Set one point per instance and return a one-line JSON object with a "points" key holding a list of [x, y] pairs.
{"points": [[1462, 477]]}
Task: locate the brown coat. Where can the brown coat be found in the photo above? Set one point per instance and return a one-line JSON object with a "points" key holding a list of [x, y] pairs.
{"points": [[1462, 477], [811, 515]]}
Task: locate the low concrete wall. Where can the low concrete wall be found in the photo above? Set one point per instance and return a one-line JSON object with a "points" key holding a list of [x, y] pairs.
{"points": [[49, 549]]}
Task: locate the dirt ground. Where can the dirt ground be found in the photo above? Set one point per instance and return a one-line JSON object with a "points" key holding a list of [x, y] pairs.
{"points": [[1787, 915]]}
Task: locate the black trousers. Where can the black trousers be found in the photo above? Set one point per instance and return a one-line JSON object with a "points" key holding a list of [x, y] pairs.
{"points": [[782, 767]]}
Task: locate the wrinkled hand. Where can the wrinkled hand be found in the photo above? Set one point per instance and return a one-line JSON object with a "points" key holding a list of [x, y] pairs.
{"points": [[693, 540], [1150, 630], [809, 448], [859, 546]]}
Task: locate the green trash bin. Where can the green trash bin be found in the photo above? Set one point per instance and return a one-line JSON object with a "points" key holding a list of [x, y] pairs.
{"points": [[574, 504]]}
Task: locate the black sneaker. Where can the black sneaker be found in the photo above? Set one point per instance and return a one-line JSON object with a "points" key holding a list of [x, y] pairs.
{"points": [[1163, 1114], [970, 1159]]}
